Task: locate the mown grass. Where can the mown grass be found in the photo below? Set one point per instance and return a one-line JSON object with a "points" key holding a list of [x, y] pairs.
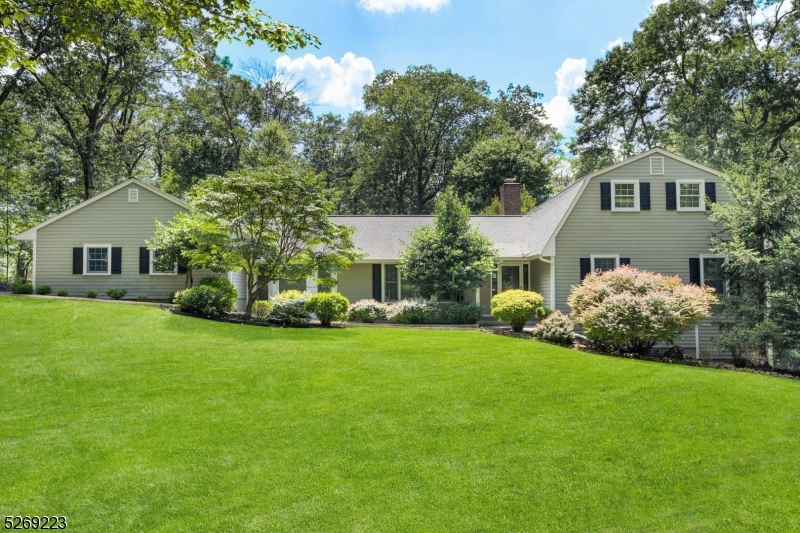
{"points": [[127, 418]]}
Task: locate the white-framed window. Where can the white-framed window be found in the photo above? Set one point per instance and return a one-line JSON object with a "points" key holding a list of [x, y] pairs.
{"points": [[154, 271], [604, 262], [656, 166], [625, 195], [97, 259], [391, 283], [691, 195], [133, 195], [710, 275]]}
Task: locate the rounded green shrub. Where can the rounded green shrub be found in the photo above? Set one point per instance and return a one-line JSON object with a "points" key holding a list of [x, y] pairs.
{"points": [[62, 292], [367, 311], [43, 289], [289, 308], [462, 313], [203, 300], [116, 293], [142, 298], [22, 288], [412, 311], [262, 309], [517, 307], [328, 306], [91, 293], [557, 328], [224, 285]]}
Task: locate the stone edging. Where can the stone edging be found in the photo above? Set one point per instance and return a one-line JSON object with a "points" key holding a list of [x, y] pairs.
{"points": [[80, 299]]}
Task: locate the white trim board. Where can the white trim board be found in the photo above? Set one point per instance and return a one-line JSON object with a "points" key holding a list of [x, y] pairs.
{"points": [[30, 234]]}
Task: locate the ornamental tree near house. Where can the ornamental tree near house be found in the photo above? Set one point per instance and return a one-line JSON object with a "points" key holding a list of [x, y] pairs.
{"points": [[449, 256], [192, 240], [277, 220]]}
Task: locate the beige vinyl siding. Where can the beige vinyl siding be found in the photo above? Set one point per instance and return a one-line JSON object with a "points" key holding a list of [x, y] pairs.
{"points": [[657, 240], [115, 221], [540, 280], [355, 283]]}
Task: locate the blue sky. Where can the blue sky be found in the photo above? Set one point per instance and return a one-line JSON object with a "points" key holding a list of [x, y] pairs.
{"points": [[546, 45]]}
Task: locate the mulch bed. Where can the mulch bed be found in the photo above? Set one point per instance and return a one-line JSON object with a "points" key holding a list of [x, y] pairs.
{"points": [[719, 365]]}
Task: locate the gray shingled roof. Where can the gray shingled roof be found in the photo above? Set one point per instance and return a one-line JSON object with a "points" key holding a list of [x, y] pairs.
{"points": [[382, 237], [544, 219]]}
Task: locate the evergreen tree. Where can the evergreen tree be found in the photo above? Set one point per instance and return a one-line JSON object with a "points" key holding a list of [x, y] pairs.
{"points": [[761, 308], [450, 256]]}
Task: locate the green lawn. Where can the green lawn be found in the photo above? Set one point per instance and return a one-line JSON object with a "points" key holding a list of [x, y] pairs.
{"points": [[127, 418]]}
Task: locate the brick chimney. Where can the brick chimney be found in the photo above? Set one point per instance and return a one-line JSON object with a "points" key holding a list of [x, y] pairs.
{"points": [[510, 192]]}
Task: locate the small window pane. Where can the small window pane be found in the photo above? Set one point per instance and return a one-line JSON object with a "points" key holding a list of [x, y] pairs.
{"points": [[690, 195], [98, 260], [392, 277], [510, 277], [624, 195], [604, 264]]}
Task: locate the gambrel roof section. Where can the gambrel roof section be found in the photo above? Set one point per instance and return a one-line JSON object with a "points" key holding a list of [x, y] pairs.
{"points": [[30, 234], [549, 247]]}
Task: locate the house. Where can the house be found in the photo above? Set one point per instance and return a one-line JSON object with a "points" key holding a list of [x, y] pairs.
{"points": [[649, 211], [101, 243]]}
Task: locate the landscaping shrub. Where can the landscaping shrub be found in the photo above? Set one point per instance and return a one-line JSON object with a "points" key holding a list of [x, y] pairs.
{"points": [[289, 308], [328, 306], [91, 293], [22, 287], [462, 313], [43, 289], [203, 300], [412, 311], [62, 292], [292, 294], [115, 293], [142, 298], [367, 311], [262, 309], [517, 307], [556, 328], [224, 285], [171, 297], [5, 286], [632, 310]]}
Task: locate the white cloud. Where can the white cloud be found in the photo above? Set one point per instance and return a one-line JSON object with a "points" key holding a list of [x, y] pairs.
{"points": [[569, 77], [396, 6], [659, 2], [613, 44], [337, 84]]}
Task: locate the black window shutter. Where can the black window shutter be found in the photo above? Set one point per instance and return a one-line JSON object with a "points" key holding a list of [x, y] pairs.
{"points": [[116, 260], [144, 260], [605, 195], [376, 282], [182, 268], [711, 193], [586, 267], [624, 261], [672, 200], [77, 260], [694, 271], [644, 196]]}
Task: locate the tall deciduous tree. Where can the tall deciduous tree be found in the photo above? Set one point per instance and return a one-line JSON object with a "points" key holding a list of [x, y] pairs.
{"points": [[415, 126], [277, 218], [450, 256]]}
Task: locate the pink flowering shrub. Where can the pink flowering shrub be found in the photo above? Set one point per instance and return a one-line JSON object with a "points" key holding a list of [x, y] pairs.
{"points": [[634, 309]]}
